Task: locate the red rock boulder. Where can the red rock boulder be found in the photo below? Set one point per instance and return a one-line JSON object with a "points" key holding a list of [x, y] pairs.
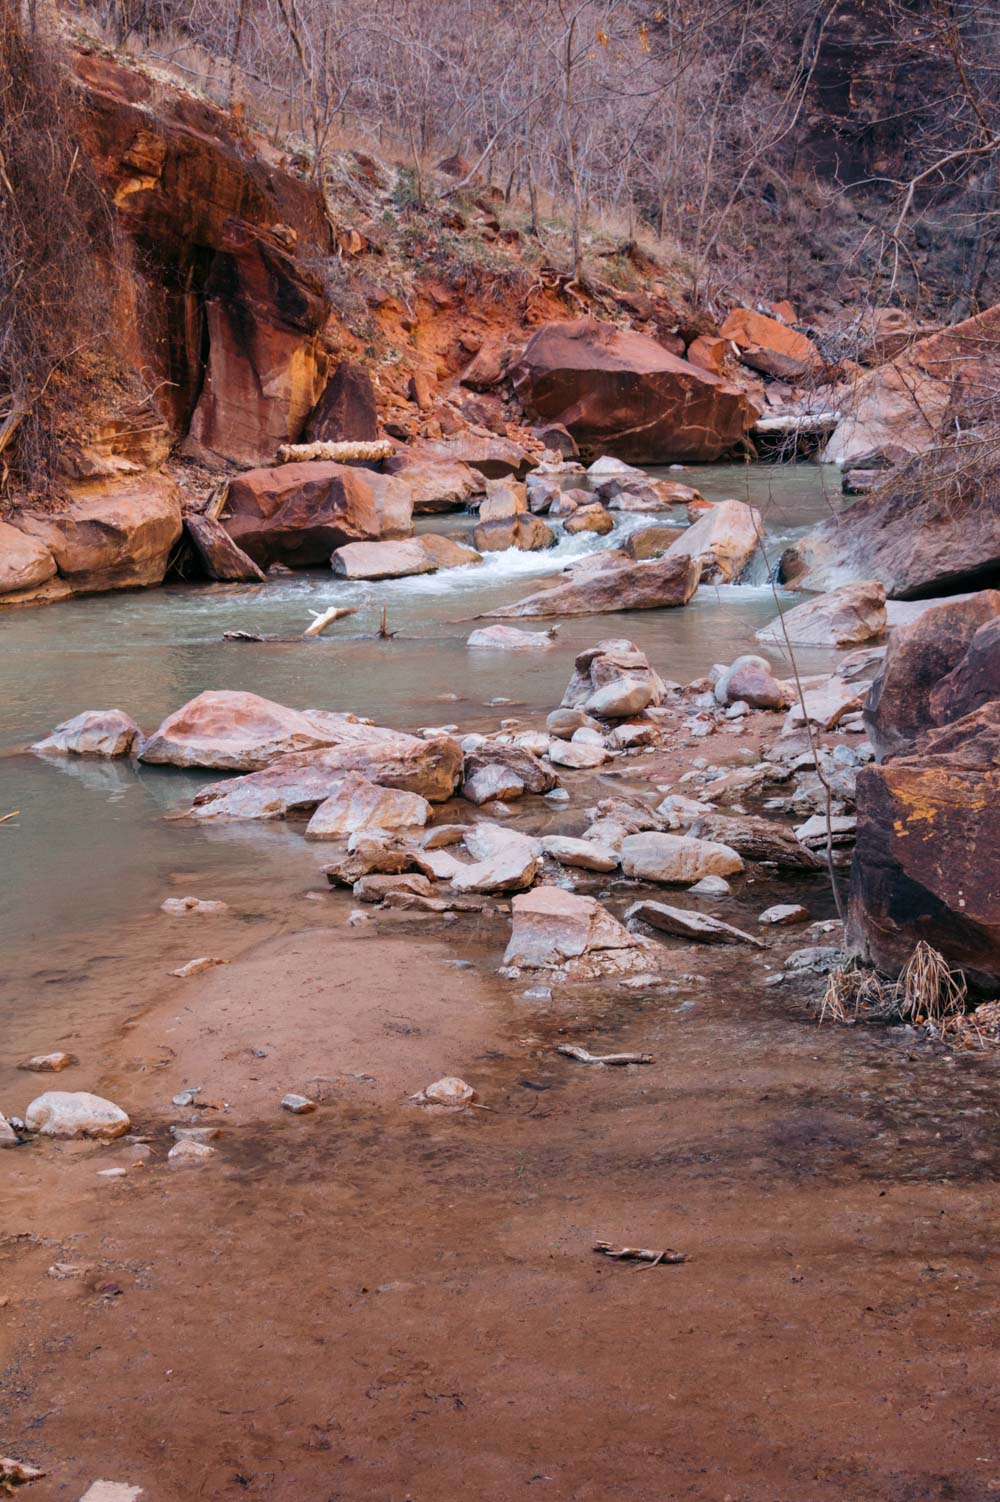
{"points": [[111, 536], [297, 514], [769, 346], [621, 393], [346, 408]]}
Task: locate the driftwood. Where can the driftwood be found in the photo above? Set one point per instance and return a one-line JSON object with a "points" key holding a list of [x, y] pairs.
{"points": [[240, 636], [327, 618], [341, 453], [572, 1051], [639, 1254], [7, 817]]}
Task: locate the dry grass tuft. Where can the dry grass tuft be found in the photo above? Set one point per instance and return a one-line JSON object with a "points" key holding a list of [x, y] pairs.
{"points": [[928, 993]]}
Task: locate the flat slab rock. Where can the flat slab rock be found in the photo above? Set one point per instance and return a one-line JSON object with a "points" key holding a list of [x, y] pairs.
{"points": [[551, 926], [688, 924], [510, 639], [588, 855]]}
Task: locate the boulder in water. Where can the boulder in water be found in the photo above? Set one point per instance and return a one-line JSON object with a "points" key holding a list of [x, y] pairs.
{"points": [[510, 639], [96, 732], [846, 616], [663, 582], [112, 535], [552, 927], [675, 858], [359, 804], [621, 392], [296, 514], [382, 560], [25, 562], [723, 541], [524, 531], [242, 732]]}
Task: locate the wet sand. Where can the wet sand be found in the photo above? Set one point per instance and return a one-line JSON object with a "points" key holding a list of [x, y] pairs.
{"points": [[379, 1302]]}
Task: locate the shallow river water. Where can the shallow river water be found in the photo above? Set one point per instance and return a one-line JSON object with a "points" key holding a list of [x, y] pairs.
{"points": [[91, 849]]}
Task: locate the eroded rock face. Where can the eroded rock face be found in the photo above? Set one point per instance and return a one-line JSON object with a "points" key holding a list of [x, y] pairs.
{"points": [[666, 581], [974, 682], [345, 409], [552, 927], [96, 732], [722, 542], [297, 514], [25, 562], [849, 615], [623, 394], [117, 535], [359, 804], [265, 367], [927, 858], [921, 657]]}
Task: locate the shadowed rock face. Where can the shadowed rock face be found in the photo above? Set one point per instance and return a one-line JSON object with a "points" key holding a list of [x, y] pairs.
{"points": [[622, 393], [922, 661], [927, 859], [346, 408]]}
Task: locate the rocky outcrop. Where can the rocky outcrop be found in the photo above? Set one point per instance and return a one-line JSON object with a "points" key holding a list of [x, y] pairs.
{"points": [[96, 732], [921, 535], [845, 617], [664, 582], [25, 562], [927, 859], [297, 514], [622, 393], [722, 542], [769, 346], [900, 706], [897, 410], [117, 535], [265, 367], [346, 408]]}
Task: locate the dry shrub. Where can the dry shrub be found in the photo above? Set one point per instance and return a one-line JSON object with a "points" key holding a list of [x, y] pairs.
{"points": [[928, 992], [57, 246]]}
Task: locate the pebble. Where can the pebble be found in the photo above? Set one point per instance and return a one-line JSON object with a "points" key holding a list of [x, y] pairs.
{"points": [[195, 967], [299, 1105], [64, 1271], [49, 1063], [449, 1091], [711, 886], [785, 912], [187, 1152], [356, 918], [186, 1097]]}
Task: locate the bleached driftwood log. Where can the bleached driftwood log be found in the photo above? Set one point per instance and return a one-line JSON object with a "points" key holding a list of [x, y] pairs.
{"points": [[335, 613], [338, 453]]}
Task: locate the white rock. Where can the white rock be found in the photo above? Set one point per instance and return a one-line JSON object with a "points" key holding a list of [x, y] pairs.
{"points": [[96, 732], [449, 1091], [510, 639], [552, 926], [679, 811], [503, 860], [48, 1063], [576, 754], [359, 804], [8, 1136], [617, 700], [190, 1153], [112, 1173], [75, 1113], [112, 1491], [299, 1105], [195, 967], [785, 912], [180, 906], [710, 886], [586, 854], [813, 832], [676, 858]]}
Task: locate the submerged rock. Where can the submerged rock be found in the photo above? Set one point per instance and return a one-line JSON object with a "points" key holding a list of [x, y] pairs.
{"points": [[96, 732], [655, 585], [510, 639]]}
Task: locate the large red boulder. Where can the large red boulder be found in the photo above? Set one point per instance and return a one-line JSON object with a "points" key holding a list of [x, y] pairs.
{"points": [[622, 393], [112, 535], [771, 347], [297, 514], [927, 859]]}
